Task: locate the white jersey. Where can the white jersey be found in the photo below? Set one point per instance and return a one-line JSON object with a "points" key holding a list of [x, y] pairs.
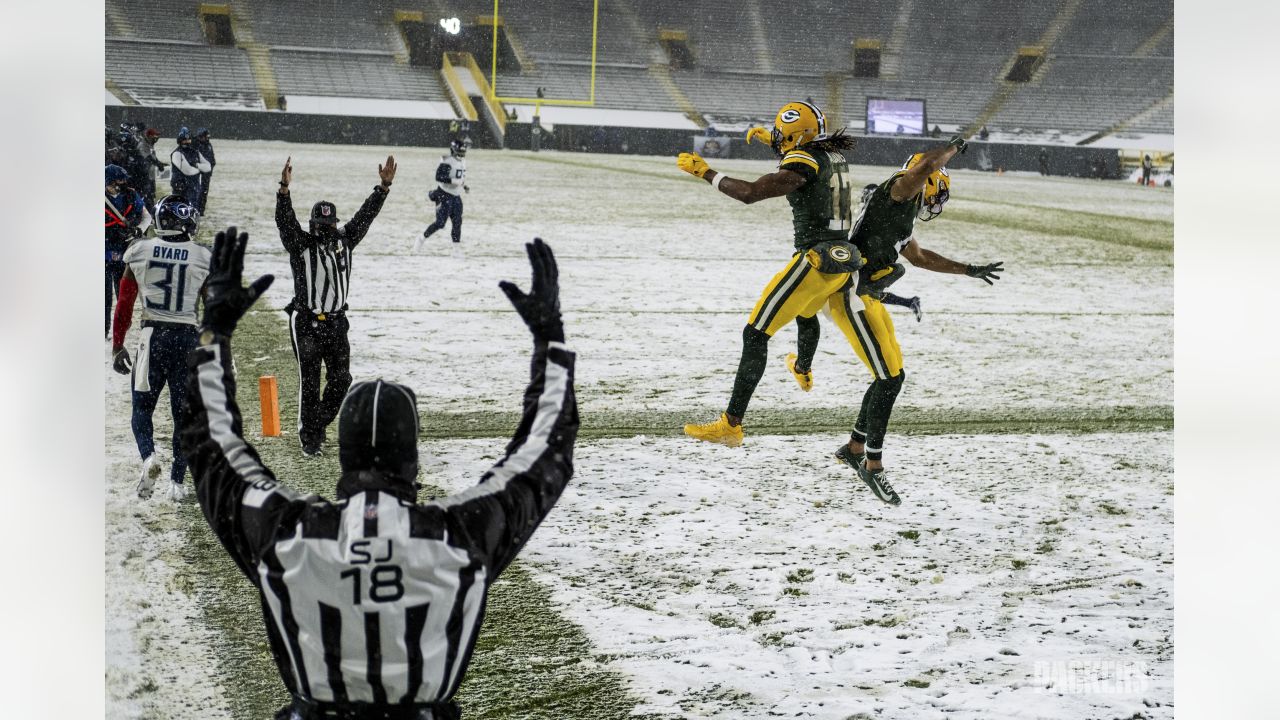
{"points": [[457, 174], [170, 275]]}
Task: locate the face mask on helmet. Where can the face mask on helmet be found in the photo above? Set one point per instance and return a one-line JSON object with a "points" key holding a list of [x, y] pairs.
{"points": [[936, 194], [458, 149], [175, 216], [796, 124]]}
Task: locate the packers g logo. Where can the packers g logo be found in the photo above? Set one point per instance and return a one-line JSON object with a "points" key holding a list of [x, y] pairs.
{"points": [[840, 254], [789, 116]]}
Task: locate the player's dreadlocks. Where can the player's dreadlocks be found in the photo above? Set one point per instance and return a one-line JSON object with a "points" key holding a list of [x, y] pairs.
{"points": [[835, 142]]}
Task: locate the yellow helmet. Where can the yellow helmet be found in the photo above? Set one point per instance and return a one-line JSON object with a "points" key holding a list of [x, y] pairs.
{"points": [[796, 124], [937, 190]]}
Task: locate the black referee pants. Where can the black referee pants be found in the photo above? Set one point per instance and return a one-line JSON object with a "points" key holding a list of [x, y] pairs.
{"points": [[319, 342]]}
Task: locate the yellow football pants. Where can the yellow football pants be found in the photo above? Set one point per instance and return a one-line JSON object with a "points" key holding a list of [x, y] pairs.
{"points": [[798, 290], [869, 329]]}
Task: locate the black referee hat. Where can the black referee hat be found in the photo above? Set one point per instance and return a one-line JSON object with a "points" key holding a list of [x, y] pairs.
{"points": [[378, 429], [324, 213]]}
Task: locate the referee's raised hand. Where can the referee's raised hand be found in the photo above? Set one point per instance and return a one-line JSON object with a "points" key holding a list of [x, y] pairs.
{"points": [[540, 307], [226, 299]]}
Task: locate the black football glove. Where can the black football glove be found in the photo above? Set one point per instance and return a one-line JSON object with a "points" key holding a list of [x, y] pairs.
{"points": [[226, 299], [120, 362], [540, 308], [960, 144], [986, 273]]}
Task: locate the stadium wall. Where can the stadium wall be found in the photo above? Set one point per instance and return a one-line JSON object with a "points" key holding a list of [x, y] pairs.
{"points": [[1068, 160]]}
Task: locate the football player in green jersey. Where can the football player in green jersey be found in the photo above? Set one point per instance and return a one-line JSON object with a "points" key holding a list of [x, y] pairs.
{"points": [[813, 175], [882, 231]]}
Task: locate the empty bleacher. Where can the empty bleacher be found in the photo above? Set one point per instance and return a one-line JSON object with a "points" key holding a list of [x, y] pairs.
{"points": [[177, 74], [155, 20], [1105, 63], [1070, 96], [342, 74], [1107, 27], [325, 24]]}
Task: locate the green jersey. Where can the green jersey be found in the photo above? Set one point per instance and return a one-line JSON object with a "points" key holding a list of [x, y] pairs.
{"points": [[884, 227], [819, 208]]}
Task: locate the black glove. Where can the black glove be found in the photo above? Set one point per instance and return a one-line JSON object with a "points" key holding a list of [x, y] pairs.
{"points": [[226, 300], [986, 273], [540, 308], [960, 143], [120, 362]]}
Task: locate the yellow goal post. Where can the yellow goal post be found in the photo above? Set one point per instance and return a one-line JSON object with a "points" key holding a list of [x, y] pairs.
{"points": [[493, 70]]}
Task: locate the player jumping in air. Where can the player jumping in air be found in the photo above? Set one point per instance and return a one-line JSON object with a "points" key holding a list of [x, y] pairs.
{"points": [[801, 367], [813, 175], [451, 179], [883, 230]]}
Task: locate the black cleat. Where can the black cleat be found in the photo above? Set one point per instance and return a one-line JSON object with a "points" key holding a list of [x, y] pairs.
{"points": [[312, 448], [879, 483], [849, 457]]}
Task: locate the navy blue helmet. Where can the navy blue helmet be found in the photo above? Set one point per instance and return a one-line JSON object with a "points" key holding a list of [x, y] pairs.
{"points": [[458, 148], [115, 173], [176, 216]]}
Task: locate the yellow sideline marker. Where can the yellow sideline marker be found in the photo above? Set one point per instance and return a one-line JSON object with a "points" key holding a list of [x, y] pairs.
{"points": [[270, 398]]}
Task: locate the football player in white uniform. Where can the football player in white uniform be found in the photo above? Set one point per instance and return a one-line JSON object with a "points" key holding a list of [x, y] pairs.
{"points": [[451, 182], [171, 270]]}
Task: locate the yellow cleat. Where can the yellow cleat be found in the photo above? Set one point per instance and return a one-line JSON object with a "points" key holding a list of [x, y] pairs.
{"points": [[716, 431], [804, 380]]}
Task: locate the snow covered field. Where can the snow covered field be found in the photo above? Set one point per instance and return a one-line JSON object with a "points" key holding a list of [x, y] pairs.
{"points": [[1028, 572]]}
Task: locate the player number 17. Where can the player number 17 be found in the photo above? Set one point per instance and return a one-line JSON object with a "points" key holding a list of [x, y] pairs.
{"points": [[841, 217]]}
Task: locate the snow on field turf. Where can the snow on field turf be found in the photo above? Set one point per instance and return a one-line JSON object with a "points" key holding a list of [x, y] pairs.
{"points": [[760, 581], [158, 660], [658, 273]]}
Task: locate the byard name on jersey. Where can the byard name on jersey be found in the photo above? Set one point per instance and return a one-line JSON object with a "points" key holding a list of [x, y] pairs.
{"points": [[169, 253]]}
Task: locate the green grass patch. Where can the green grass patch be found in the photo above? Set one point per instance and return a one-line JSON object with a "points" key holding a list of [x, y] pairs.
{"points": [[1143, 233], [529, 662]]}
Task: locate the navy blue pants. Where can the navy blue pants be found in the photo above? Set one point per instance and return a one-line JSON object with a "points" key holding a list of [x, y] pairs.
{"points": [[188, 188], [205, 179], [449, 210], [166, 364]]}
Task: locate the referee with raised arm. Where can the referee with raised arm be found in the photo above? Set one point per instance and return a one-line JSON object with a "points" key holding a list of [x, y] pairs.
{"points": [[373, 603], [320, 259]]}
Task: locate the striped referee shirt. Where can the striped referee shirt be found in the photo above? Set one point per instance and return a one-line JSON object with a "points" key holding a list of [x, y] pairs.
{"points": [[375, 599], [322, 269]]}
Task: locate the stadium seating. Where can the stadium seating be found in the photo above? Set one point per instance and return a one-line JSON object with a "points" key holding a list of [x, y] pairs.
{"points": [[1105, 63], [300, 72], [182, 74]]}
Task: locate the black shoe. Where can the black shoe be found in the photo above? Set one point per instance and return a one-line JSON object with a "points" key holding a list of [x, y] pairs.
{"points": [[849, 457], [879, 483], [311, 447]]}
